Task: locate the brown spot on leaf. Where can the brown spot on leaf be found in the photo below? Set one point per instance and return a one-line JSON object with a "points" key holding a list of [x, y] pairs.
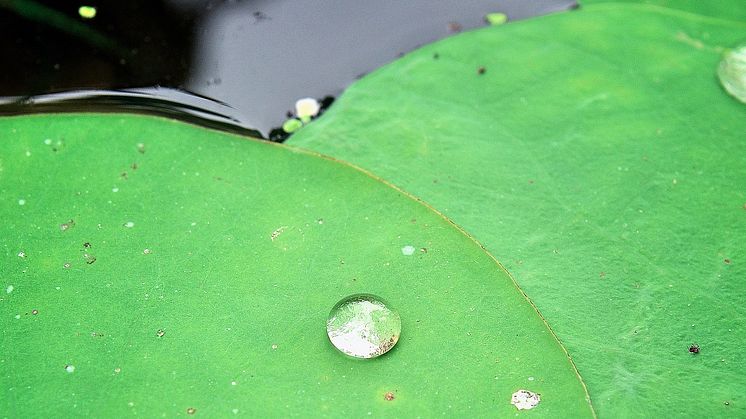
{"points": [[389, 396]]}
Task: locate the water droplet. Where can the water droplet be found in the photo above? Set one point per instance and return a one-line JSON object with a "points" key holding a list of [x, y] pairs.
{"points": [[68, 225], [70, 368], [66, 265], [732, 72], [9, 289], [18, 316], [274, 346], [191, 411], [407, 250], [160, 333], [129, 224], [235, 411], [48, 141], [117, 370], [363, 326], [21, 202], [89, 259], [524, 399], [21, 254], [34, 312], [146, 251], [115, 189], [530, 378], [233, 383]]}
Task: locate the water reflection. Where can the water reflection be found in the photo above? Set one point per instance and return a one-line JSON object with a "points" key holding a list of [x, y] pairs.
{"points": [[257, 56]]}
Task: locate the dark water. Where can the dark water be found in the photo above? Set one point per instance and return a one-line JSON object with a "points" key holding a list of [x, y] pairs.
{"points": [[235, 65]]}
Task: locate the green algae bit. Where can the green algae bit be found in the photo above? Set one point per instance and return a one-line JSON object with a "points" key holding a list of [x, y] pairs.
{"points": [[292, 125], [732, 72], [87, 12], [495, 19]]}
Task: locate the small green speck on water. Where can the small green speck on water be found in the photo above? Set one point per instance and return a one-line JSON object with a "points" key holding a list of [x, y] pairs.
{"points": [[87, 12], [495, 19], [292, 125]]}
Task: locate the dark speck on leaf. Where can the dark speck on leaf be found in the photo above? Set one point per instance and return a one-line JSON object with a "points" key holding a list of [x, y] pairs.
{"points": [[436, 56], [87, 245], [694, 348], [727, 261], [481, 70]]}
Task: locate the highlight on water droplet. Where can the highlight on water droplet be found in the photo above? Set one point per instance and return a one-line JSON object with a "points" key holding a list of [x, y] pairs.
{"points": [[21, 202], [524, 399], [9, 289], [129, 224], [732, 72], [70, 368], [363, 326]]}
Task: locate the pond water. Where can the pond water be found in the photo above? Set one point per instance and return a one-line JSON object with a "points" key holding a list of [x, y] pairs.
{"points": [[238, 65]]}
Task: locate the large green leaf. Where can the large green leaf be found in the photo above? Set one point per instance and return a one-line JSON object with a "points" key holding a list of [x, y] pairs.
{"points": [[250, 245], [599, 159], [724, 9]]}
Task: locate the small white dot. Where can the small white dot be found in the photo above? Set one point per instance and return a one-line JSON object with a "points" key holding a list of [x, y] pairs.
{"points": [[274, 346], [9, 289], [530, 378], [21, 254], [28, 154], [48, 141], [235, 411], [115, 189], [233, 383], [18, 316], [21, 202], [70, 368], [129, 224], [146, 251], [407, 250]]}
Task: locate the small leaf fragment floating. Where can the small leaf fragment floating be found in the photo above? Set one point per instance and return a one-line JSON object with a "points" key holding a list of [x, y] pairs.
{"points": [[524, 399], [87, 12], [495, 19], [292, 125]]}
